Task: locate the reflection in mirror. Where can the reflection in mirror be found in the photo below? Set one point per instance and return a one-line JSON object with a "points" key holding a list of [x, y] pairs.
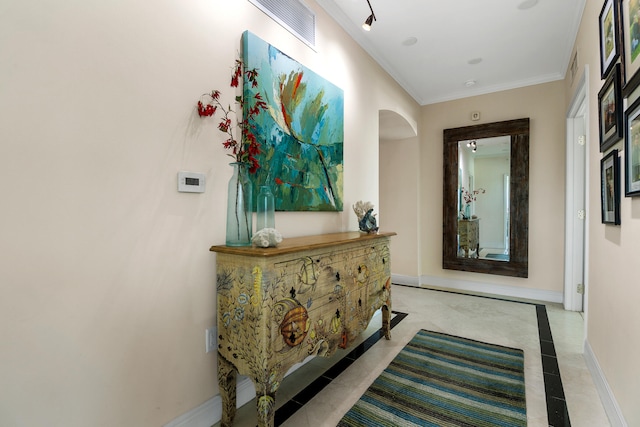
{"points": [[483, 198], [485, 221]]}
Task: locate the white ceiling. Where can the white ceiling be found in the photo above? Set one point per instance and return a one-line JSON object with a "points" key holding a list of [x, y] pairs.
{"points": [[513, 46]]}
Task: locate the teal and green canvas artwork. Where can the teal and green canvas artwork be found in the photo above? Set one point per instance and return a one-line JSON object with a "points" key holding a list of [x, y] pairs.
{"points": [[301, 133]]}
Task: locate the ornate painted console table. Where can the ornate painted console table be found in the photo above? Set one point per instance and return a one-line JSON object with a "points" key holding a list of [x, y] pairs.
{"points": [[469, 232], [308, 296]]}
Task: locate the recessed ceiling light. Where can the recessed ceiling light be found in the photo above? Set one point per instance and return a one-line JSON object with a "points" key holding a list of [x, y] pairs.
{"points": [[410, 41], [474, 61], [527, 4], [470, 83]]}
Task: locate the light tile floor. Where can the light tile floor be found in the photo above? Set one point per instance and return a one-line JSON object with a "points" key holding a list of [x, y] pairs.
{"points": [[507, 323]]}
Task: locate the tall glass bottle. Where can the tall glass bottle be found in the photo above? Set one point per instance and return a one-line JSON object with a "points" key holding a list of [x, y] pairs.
{"points": [[239, 207], [265, 209]]}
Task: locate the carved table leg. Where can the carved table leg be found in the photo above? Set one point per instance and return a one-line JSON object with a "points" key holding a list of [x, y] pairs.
{"points": [[227, 382], [386, 321], [266, 402]]}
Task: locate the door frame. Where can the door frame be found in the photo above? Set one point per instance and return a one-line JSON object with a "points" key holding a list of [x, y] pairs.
{"points": [[578, 111]]}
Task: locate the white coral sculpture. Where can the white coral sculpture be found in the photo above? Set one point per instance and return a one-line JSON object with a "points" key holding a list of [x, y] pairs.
{"points": [[361, 208]]}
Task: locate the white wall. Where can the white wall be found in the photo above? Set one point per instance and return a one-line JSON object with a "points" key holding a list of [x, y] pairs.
{"points": [[489, 175], [106, 281], [466, 170]]}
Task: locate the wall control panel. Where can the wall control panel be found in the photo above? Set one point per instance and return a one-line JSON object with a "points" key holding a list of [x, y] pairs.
{"points": [[190, 182]]}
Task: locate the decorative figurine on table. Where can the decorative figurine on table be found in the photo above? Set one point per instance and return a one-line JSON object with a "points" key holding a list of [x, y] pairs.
{"points": [[366, 218]]}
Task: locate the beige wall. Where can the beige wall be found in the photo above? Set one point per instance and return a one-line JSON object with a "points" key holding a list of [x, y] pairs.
{"points": [[489, 175], [399, 202], [613, 318], [544, 105], [106, 281]]}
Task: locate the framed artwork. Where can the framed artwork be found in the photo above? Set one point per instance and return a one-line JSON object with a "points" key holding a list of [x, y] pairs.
{"points": [[609, 36], [610, 182], [610, 110], [632, 150], [629, 12], [301, 133]]}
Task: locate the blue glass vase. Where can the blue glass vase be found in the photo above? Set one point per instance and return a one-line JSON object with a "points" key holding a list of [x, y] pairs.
{"points": [[239, 207], [265, 209]]}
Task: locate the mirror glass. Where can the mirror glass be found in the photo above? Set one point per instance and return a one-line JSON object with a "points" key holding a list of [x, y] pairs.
{"points": [[483, 198], [486, 198]]}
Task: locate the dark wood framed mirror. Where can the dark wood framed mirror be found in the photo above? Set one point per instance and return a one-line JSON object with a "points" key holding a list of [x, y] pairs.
{"points": [[462, 243]]}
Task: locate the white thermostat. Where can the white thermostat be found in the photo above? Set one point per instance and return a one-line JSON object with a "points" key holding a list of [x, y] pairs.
{"points": [[190, 182]]}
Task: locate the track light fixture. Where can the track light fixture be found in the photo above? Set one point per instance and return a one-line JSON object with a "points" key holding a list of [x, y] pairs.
{"points": [[367, 24]]}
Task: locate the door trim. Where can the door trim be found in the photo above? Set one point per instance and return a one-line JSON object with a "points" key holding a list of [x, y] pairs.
{"points": [[578, 110]]}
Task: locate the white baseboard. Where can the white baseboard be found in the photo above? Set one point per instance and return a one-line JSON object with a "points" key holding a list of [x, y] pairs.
{"points": [[210, 412], [479, 287], [405, 280], [205, 415], [604, 391]]}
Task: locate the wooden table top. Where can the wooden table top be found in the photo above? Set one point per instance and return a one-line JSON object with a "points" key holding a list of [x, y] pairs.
{"points": [[296, 244]]}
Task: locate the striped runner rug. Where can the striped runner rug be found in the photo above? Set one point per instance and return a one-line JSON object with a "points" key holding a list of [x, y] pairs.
{"points": [[444, 380]]}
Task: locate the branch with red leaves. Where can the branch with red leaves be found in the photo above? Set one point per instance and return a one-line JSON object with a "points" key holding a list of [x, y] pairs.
{"points": [[245, 150], [471, 196]]}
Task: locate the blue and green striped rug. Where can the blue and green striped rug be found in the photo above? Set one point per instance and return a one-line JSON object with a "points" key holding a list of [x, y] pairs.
{"points": [[443, 380]]}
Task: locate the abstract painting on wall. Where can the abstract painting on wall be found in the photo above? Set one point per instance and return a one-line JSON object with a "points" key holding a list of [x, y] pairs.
{"points": [[301, 133]]}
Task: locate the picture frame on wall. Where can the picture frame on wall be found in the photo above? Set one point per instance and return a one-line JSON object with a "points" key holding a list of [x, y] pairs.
{"points": [[632, 150], [630, 52], [609, 36], [610, 183], [610, 110]]}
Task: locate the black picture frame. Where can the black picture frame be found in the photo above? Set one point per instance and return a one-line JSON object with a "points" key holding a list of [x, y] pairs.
{"points": [[610, 188], [632, 150], [610, 110], [610, 40], [630, 52]]}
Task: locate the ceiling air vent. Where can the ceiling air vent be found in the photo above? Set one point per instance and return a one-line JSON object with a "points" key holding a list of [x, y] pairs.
{"points": [[292, 15]]}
